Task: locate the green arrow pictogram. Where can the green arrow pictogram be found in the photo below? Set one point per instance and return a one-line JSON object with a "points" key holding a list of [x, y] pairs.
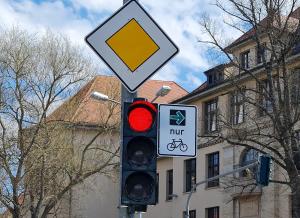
{"points": [[178, 117]]}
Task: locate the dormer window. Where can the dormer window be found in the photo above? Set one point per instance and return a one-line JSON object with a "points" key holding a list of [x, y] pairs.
{"points": [[244, 60], [214, 77]]}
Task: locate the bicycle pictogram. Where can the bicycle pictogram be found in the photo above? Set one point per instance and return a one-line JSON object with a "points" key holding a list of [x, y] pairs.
{"points": [[175, 144]]}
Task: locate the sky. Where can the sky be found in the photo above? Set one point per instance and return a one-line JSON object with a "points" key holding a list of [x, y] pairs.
{"points": [[77, 18]]}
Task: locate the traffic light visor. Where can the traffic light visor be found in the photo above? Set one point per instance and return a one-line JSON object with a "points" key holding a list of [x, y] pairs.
{"points": [[141, 116]]}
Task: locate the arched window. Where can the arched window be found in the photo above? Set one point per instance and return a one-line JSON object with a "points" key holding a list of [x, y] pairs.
{"points": [[248, 156]]}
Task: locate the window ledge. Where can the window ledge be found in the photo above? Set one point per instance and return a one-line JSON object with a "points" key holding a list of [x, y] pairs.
{"points": [[238, 124], [188, 192], [171, 197], [211, 132], [212, 188]]}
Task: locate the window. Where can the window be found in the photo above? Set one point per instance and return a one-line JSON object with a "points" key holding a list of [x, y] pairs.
{"points": [[296, 48], [213, 168], [192, 214], [249, 156], [260, 53], [295, 87], [211, 116], [210, 79], [169, 184], [215, 77], [298, 136], [237, 107], [265, 102], [221, 77], [190, 174], [212, 212], [244, 60]]}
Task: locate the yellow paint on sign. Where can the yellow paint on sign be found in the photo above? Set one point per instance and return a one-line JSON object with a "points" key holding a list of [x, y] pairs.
{"points": [[132, 45]]}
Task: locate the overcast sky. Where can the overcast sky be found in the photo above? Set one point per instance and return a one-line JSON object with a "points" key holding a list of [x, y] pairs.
{"points": [[77, 18]]}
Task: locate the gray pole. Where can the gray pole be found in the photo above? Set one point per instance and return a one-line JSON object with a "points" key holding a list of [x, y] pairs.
{"points": [[187, 215], [126, 96]]}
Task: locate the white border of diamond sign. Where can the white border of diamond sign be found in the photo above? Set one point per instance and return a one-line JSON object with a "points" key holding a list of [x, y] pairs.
{"points": [[177, 130], [132, 10]]}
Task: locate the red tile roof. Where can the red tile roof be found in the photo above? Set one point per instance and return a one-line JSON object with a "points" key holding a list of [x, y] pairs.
{"points": [[150, 88], [82, 109]]}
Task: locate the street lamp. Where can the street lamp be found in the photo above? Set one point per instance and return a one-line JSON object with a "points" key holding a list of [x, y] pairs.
{"points": [[102, 97], [163, 91]]}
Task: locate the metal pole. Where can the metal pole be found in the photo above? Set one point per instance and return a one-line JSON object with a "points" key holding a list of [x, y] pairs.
{"points": [[187, 213], [126, 96]]}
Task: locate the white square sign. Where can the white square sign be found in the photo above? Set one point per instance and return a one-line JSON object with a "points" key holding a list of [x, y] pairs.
{"points": [[177, 130], [132, 44]]}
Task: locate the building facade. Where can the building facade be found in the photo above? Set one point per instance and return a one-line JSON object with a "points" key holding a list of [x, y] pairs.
{"points": [[220, 104]]}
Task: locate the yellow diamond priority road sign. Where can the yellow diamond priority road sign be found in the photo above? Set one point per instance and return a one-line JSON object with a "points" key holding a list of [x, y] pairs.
{"points": [[132, 45], [132, 37]]}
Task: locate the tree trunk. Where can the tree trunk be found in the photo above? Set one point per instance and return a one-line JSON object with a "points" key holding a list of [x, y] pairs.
{"points": [[16, 213], [34, 214], [296, 199], [294, 176], [47, 209]]}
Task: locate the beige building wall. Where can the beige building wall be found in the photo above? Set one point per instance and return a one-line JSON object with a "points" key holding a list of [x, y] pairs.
{"points": [[98, 196]]}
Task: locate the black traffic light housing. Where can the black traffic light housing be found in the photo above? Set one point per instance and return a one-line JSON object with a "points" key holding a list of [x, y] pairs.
{"points": [[139, 153], [263, 172]]}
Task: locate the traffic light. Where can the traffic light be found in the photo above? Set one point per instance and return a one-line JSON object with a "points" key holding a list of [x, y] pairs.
{"points": [[263, 172], [138, 185]]}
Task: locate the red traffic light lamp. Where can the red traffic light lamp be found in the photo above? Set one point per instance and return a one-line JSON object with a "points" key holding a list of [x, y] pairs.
{"points": [[141, 115]]}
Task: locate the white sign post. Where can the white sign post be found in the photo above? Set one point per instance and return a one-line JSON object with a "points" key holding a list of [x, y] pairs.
{"points": [[177, 130], [132, 44]]}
